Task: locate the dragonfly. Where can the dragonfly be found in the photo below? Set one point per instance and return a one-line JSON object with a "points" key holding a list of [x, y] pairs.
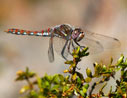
{"points": [[65, 38]]}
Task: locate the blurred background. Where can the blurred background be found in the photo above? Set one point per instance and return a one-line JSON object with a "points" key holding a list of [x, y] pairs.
{"points": [[107, 17]]}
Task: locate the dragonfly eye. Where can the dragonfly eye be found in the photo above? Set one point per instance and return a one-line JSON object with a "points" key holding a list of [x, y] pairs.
{"points": [[78, 34], [80, 37]]}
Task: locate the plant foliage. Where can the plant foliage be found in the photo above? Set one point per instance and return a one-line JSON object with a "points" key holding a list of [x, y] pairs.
{"points": [[74, 83]]}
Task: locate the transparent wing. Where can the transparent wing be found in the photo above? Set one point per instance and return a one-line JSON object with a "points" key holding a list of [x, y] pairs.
{"points": [[59, 44], [106, 41], [94, 46], [50, 50]]}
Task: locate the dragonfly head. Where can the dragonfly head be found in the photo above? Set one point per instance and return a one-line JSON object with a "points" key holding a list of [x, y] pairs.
{"points": [[77, 34]]}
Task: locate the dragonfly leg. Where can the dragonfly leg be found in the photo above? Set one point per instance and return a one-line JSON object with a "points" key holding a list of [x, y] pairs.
{"points": [[73, 45], [63, 50], [69, 47], [79, 45]]}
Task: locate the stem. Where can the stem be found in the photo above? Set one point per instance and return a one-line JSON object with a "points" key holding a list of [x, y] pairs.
{"points": [[29, 82]]}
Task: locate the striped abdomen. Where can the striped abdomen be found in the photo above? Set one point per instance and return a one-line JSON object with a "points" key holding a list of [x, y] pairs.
{"points": [[26, 32]]}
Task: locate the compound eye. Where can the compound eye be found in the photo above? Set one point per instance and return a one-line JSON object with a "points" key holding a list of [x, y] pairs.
{"points": [[76, 31], [80, 37]]}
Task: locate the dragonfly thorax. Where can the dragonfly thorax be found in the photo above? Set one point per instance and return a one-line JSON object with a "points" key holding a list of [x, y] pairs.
{"points": [[77, 34]]}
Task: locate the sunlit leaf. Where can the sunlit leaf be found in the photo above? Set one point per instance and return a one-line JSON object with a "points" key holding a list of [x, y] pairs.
{"points": [[39, 80], [88, 72], [85, 49], [82, 93], [75, 56], [84, 90], [69, 62], [77, 50], [34, 94], [120, 60], [88, 79], [79, 80], [86, 86], [104, 68], [74, 76], [24, 89], [125, 62], [66, 71]]}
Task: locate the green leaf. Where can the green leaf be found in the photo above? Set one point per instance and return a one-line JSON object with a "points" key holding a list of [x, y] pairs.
{"points": [[69, 62], [40, 96], [75, 56], [84, 53], [66, 87], [86, 86], [56, 79], [76, 93], [27, 70], [84, 90], [66, 71], [80, 75], [31, 74], [48, 77], [111, 60], [67, 78], [79, 80], [88, 79], [47, 83], [98, 69], [33, 94], [85, 49], [61, 77], [56, 87], [74, 76], [20, 76], [125, 62], [24, 89], [39, 82], [73, 65], [88, 72], [104, 68], [24, 75], [77, 50], [82, 93], [120, 60]]}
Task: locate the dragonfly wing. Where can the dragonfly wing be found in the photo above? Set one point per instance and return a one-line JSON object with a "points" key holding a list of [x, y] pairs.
{"points": [[94, 46], [50, 50], [106, 41], [59, 43]]}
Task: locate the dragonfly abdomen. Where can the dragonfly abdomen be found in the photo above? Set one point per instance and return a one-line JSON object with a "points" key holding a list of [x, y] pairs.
{"points": [[44, 33]]}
